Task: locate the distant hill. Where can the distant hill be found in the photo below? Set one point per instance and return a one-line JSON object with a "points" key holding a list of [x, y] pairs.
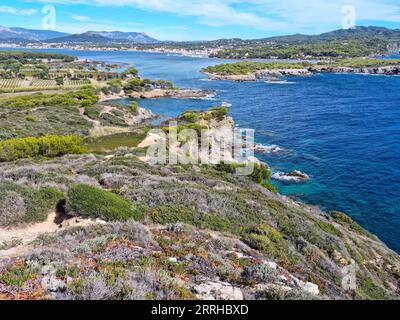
{"points": [[357, 42], [28, 34], [129, 36], [357, 33], [80, 38], [104, 37], [17, 35]]}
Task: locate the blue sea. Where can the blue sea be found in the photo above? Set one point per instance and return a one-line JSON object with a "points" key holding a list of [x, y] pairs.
{"points": [[343, 130]]}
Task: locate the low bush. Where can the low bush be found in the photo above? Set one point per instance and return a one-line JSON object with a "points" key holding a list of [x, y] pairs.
{"points": [[346, 221], [219, 113], [134, 108], [83, 97], [46, 146], [92, 112], [190, 116], [24, 204], [91, 202]]}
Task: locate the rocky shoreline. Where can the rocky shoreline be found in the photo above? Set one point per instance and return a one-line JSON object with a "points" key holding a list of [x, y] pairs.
{"points": [[386, 70], [276, 73], [161, 93]]}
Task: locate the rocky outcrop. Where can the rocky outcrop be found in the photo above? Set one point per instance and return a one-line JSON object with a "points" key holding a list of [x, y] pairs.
{"points": [[237, 78], [141, 116], [217, 290], [160, 93], [266, 74], [294, 176], [277, 73], [174, 93], [386, 70]]}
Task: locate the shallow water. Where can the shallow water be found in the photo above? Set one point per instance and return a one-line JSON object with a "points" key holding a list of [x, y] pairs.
{"points": [[343, 130]]}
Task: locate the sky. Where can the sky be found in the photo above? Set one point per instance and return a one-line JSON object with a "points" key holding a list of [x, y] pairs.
{"points": [[184, 20]]}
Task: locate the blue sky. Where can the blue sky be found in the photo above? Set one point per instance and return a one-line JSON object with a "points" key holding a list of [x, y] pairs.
{"points": [[200, 19]]}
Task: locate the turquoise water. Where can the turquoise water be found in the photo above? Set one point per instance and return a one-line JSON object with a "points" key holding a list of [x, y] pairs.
{"points": [[343, 130]]}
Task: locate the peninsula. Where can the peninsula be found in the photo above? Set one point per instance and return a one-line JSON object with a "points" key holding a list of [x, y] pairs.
{"points": [[253, 70]]}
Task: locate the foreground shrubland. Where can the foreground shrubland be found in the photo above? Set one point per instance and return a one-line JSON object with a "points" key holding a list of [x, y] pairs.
{"points": [[200, 232]]}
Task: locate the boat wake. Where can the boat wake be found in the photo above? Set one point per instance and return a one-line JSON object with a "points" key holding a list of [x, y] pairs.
{"points": [[281, 82]]}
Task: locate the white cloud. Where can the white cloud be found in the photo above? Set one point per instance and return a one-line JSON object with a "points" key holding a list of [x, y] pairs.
{"points": [[80, 18], [265, 15], [15, 11]]}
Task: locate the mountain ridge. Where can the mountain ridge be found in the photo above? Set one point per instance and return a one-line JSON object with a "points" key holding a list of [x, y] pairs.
{"points": [[22, 34], [28, 34]]}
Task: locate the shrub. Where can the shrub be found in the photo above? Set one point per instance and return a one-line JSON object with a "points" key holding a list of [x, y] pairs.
{"points": [[329, 228], [248, 67], [47, 146], [190, 116], [30, 118], [92, 112], [259, 274], [12, 209], [368, 289], [265, 238], [171, 213], [135, 231], [134, 108], [92, 202], [85, 96], [346, 221], [219, 113], [60, 81]]}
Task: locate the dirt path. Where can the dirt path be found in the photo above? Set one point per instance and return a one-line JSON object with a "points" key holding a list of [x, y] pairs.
{"points": [[26, 235]]}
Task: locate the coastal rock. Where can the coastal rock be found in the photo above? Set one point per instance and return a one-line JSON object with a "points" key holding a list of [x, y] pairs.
{"points": [[259, 148], [237, 78], [217, 290], [142, 115], [310, 288], [294, 176], [175, 93], [385, 70], [266, 74]]}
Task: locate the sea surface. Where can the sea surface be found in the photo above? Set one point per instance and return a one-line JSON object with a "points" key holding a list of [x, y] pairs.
{"points": [[343, 130]]}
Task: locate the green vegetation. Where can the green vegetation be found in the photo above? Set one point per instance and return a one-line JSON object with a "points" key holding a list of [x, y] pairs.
{"points": [[24, 71], [369, 290], [191, 116], [299, 239], [132, 71], [27, 56], [134, 108], [140, 85], [365, 63], [267, 239], [329, 228], [51, 120], [112, 142], [192, 126], [348, 222], [249, 67], [330, 49], [218, 113], [16, 276], [91, 202], [26, 204], [84, 96], [261, 173], [46, 146]]}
